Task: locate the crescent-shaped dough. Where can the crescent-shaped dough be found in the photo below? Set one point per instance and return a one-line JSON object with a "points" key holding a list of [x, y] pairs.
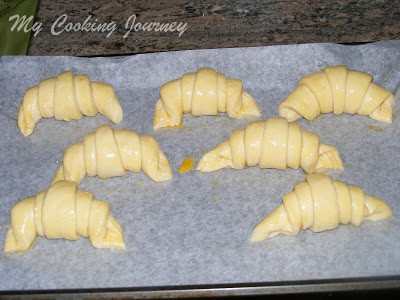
{"points": [[320, 203], [62, 211], [108, 152], [274, 143], [205, 92], [67, 97], [339, 90]]}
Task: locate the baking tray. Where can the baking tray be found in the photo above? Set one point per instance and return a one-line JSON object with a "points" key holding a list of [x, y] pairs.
{"points": [[190, 236], [316, 288]]}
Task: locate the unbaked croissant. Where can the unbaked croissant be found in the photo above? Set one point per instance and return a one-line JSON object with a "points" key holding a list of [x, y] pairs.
{"points": [[62, 211], [67, 97], [205, 92], [320, 203], [107, 153], [339, 90], [274, 143]]}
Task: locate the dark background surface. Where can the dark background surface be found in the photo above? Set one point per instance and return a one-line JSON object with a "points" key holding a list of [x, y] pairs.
{"points": [[214, 24]]}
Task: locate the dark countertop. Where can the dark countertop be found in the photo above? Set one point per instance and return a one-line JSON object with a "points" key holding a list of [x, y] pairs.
{"points": [[216, 25]]}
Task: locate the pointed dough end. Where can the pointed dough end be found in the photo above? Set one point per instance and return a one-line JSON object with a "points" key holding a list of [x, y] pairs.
{"points": [[216, 159], [162, 119], [59, 174], [114, 237], [23, 127], [154, 162], [114, 113], [117, 115], [274, 224], [106, 101], [26, 131], [164, 169], [328, 158], [288, 113], [376, 209], [11, 243], [29, 113], [384, 112], [249, 107]]}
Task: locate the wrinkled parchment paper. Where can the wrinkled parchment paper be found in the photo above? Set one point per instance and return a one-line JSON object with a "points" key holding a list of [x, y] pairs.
{"points": [[195, 229]]}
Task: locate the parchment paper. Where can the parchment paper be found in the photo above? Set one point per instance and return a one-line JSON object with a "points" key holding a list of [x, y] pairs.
{"points": [[195, 229]]}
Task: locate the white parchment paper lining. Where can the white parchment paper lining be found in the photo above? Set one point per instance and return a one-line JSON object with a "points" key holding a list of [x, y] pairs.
{"points": [[195, 229]]}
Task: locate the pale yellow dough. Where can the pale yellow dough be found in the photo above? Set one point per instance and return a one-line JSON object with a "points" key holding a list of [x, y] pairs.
{"points": [[205, 92], [320, 203], [67, 97], [273, 143], [339, 90], [62, 211], [108, 152]]}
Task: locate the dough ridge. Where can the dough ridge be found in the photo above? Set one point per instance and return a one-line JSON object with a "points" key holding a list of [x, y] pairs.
{"points": [[65, 212], [203, 93], [320, 203], [338, 90], [273, 143], [67, 97], [108, 152]]}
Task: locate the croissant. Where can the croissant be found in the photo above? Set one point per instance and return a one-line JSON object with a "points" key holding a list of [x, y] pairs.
{"points": [[339, 90], [108, 153], [62, 211], [67, 97], [205, 92], [320, 203], [274, 143]]}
